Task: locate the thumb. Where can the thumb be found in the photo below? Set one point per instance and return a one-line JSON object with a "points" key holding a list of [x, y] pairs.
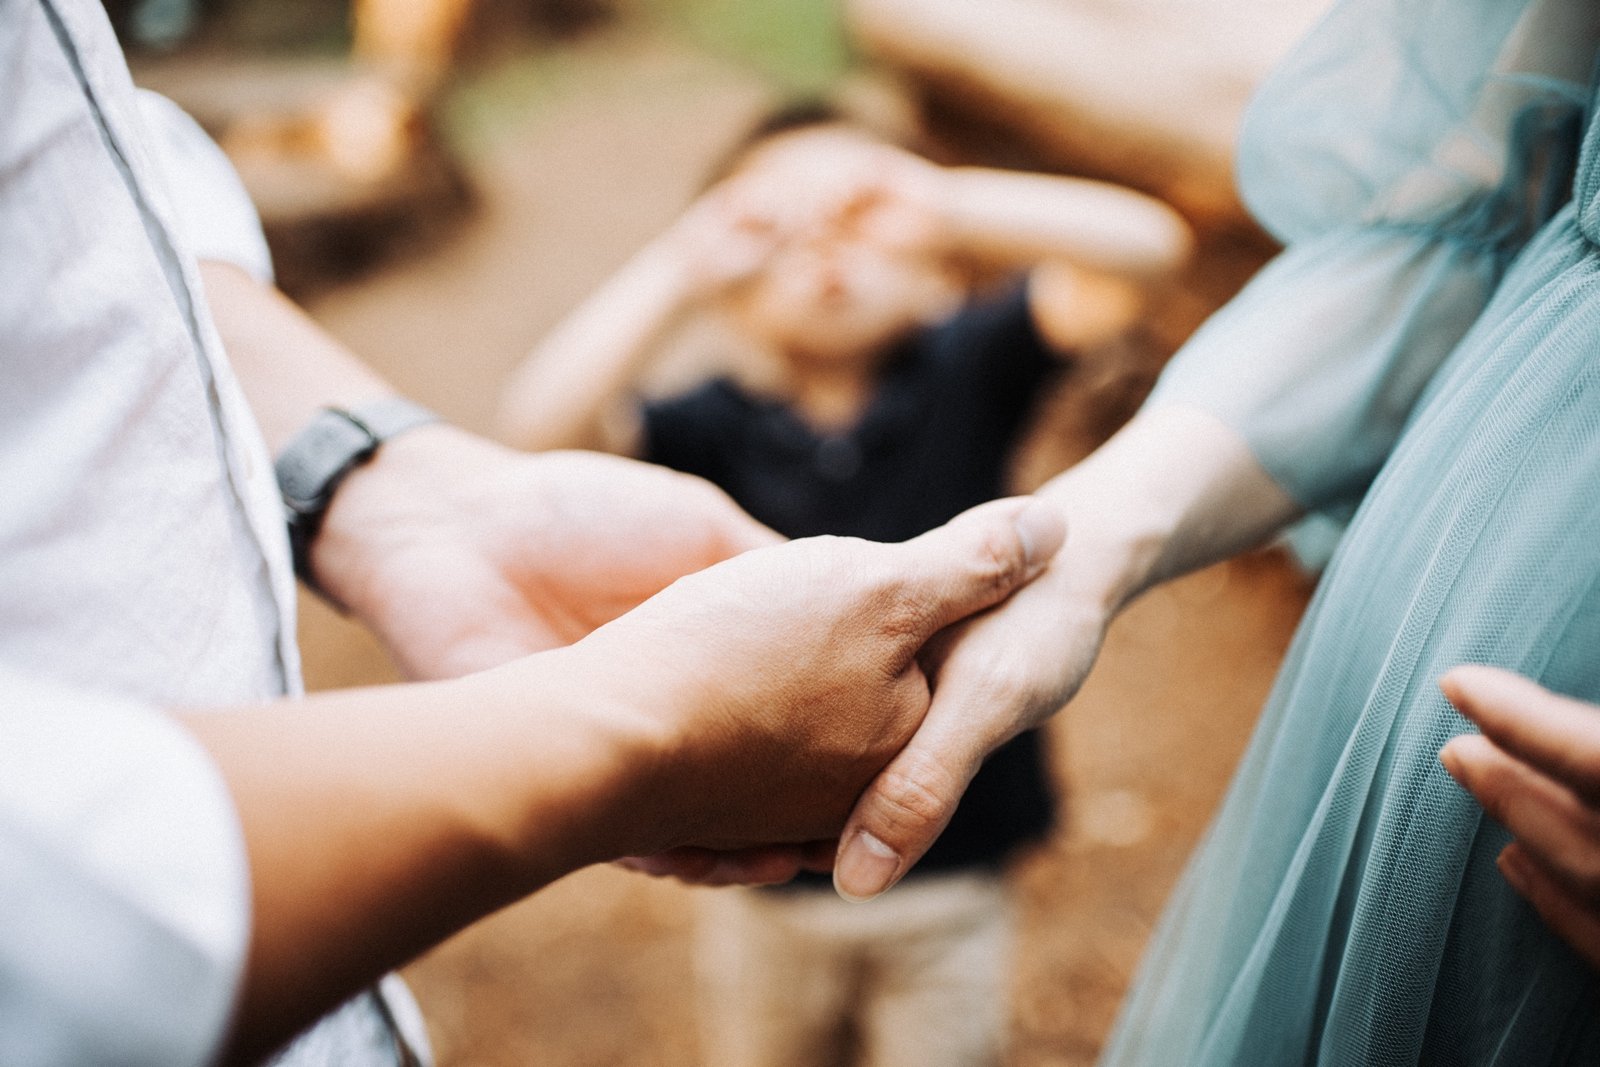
{"points": [[974, 562], [978, 559], [909, 803]]}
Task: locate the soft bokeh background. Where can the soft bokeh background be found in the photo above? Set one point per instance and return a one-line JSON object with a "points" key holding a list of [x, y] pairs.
{"points": [[443, 179]]}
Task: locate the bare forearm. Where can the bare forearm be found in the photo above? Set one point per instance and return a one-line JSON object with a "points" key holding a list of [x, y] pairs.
{"points": [[1026, 218], [563, 390], [379, 821], [1174, 490], [287, 365]]}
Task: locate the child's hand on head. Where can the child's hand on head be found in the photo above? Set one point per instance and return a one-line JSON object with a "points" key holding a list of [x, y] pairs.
{"points": [[834, 180], [727, 236]]}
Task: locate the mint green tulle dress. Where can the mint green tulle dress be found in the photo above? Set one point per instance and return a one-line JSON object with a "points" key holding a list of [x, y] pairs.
{"points": [[1424, 360]]}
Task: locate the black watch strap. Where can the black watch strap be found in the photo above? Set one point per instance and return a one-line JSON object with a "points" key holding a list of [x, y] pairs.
{"points": [[335, 442]]}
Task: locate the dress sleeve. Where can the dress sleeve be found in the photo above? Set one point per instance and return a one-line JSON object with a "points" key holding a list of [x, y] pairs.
{"points": [[213, 212], [1402, 180], [124, 900]]}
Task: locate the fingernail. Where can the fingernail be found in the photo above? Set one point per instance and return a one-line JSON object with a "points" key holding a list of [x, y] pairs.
{"points": [[865, 869], [1449, 759], [1511, 869], [1042, 530]]}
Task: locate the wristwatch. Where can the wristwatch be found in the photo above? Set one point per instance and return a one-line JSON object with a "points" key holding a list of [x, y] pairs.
{"points": [[335, 442]]}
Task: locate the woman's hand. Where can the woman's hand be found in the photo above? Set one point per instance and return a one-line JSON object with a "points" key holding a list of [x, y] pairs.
{"points": [[1536, 770], [995, 675], [1173, 490]]}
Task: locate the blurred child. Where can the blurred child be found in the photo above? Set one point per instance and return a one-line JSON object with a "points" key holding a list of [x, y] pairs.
{"points": [[878, 398]]}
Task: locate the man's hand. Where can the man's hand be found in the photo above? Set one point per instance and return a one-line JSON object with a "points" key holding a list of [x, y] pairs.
{"points": [[1536, 771], [462, 554]]}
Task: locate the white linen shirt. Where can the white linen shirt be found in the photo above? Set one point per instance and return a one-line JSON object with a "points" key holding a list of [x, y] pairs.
{"points": [[143, 566]]}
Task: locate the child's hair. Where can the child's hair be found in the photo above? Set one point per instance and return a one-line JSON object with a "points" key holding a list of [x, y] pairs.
{"points": [[800, 113]]}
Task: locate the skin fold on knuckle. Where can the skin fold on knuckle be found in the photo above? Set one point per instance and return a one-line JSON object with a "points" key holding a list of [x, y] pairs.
{"points": [[894, 604], [998, 563], [1488, 785], [900, 616], [910, 802]]}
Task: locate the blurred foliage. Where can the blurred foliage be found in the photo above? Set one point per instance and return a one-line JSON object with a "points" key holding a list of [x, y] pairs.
{"points": [[798, 44], [285, 25], [519, 54], [491, 97]]}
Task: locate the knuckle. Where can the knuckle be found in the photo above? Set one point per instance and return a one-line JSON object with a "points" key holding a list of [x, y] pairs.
{"points": [[912, 800], [1490, 792], [901, 616], [1584, 874], [1009, 684], [998, 563]]}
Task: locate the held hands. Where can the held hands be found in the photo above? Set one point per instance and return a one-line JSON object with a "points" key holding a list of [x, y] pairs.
{"points": [[780, 682], [462, 554], [1172, 491], [1536, 770], [797, 667], [995, 675], [747, 703]]}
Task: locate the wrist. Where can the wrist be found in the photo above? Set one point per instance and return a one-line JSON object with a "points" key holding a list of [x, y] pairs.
{"points": [[1114, 540], [313, 465], [1174, 490], [575, 781], [381, 504]]}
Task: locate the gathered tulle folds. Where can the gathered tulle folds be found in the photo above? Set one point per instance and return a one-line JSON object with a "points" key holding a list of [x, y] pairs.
{"points": [[1431, 350]]}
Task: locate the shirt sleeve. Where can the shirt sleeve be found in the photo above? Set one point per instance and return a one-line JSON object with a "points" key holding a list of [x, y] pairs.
{"points": [[1402, 180], [212, 210], [124, 900]]}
